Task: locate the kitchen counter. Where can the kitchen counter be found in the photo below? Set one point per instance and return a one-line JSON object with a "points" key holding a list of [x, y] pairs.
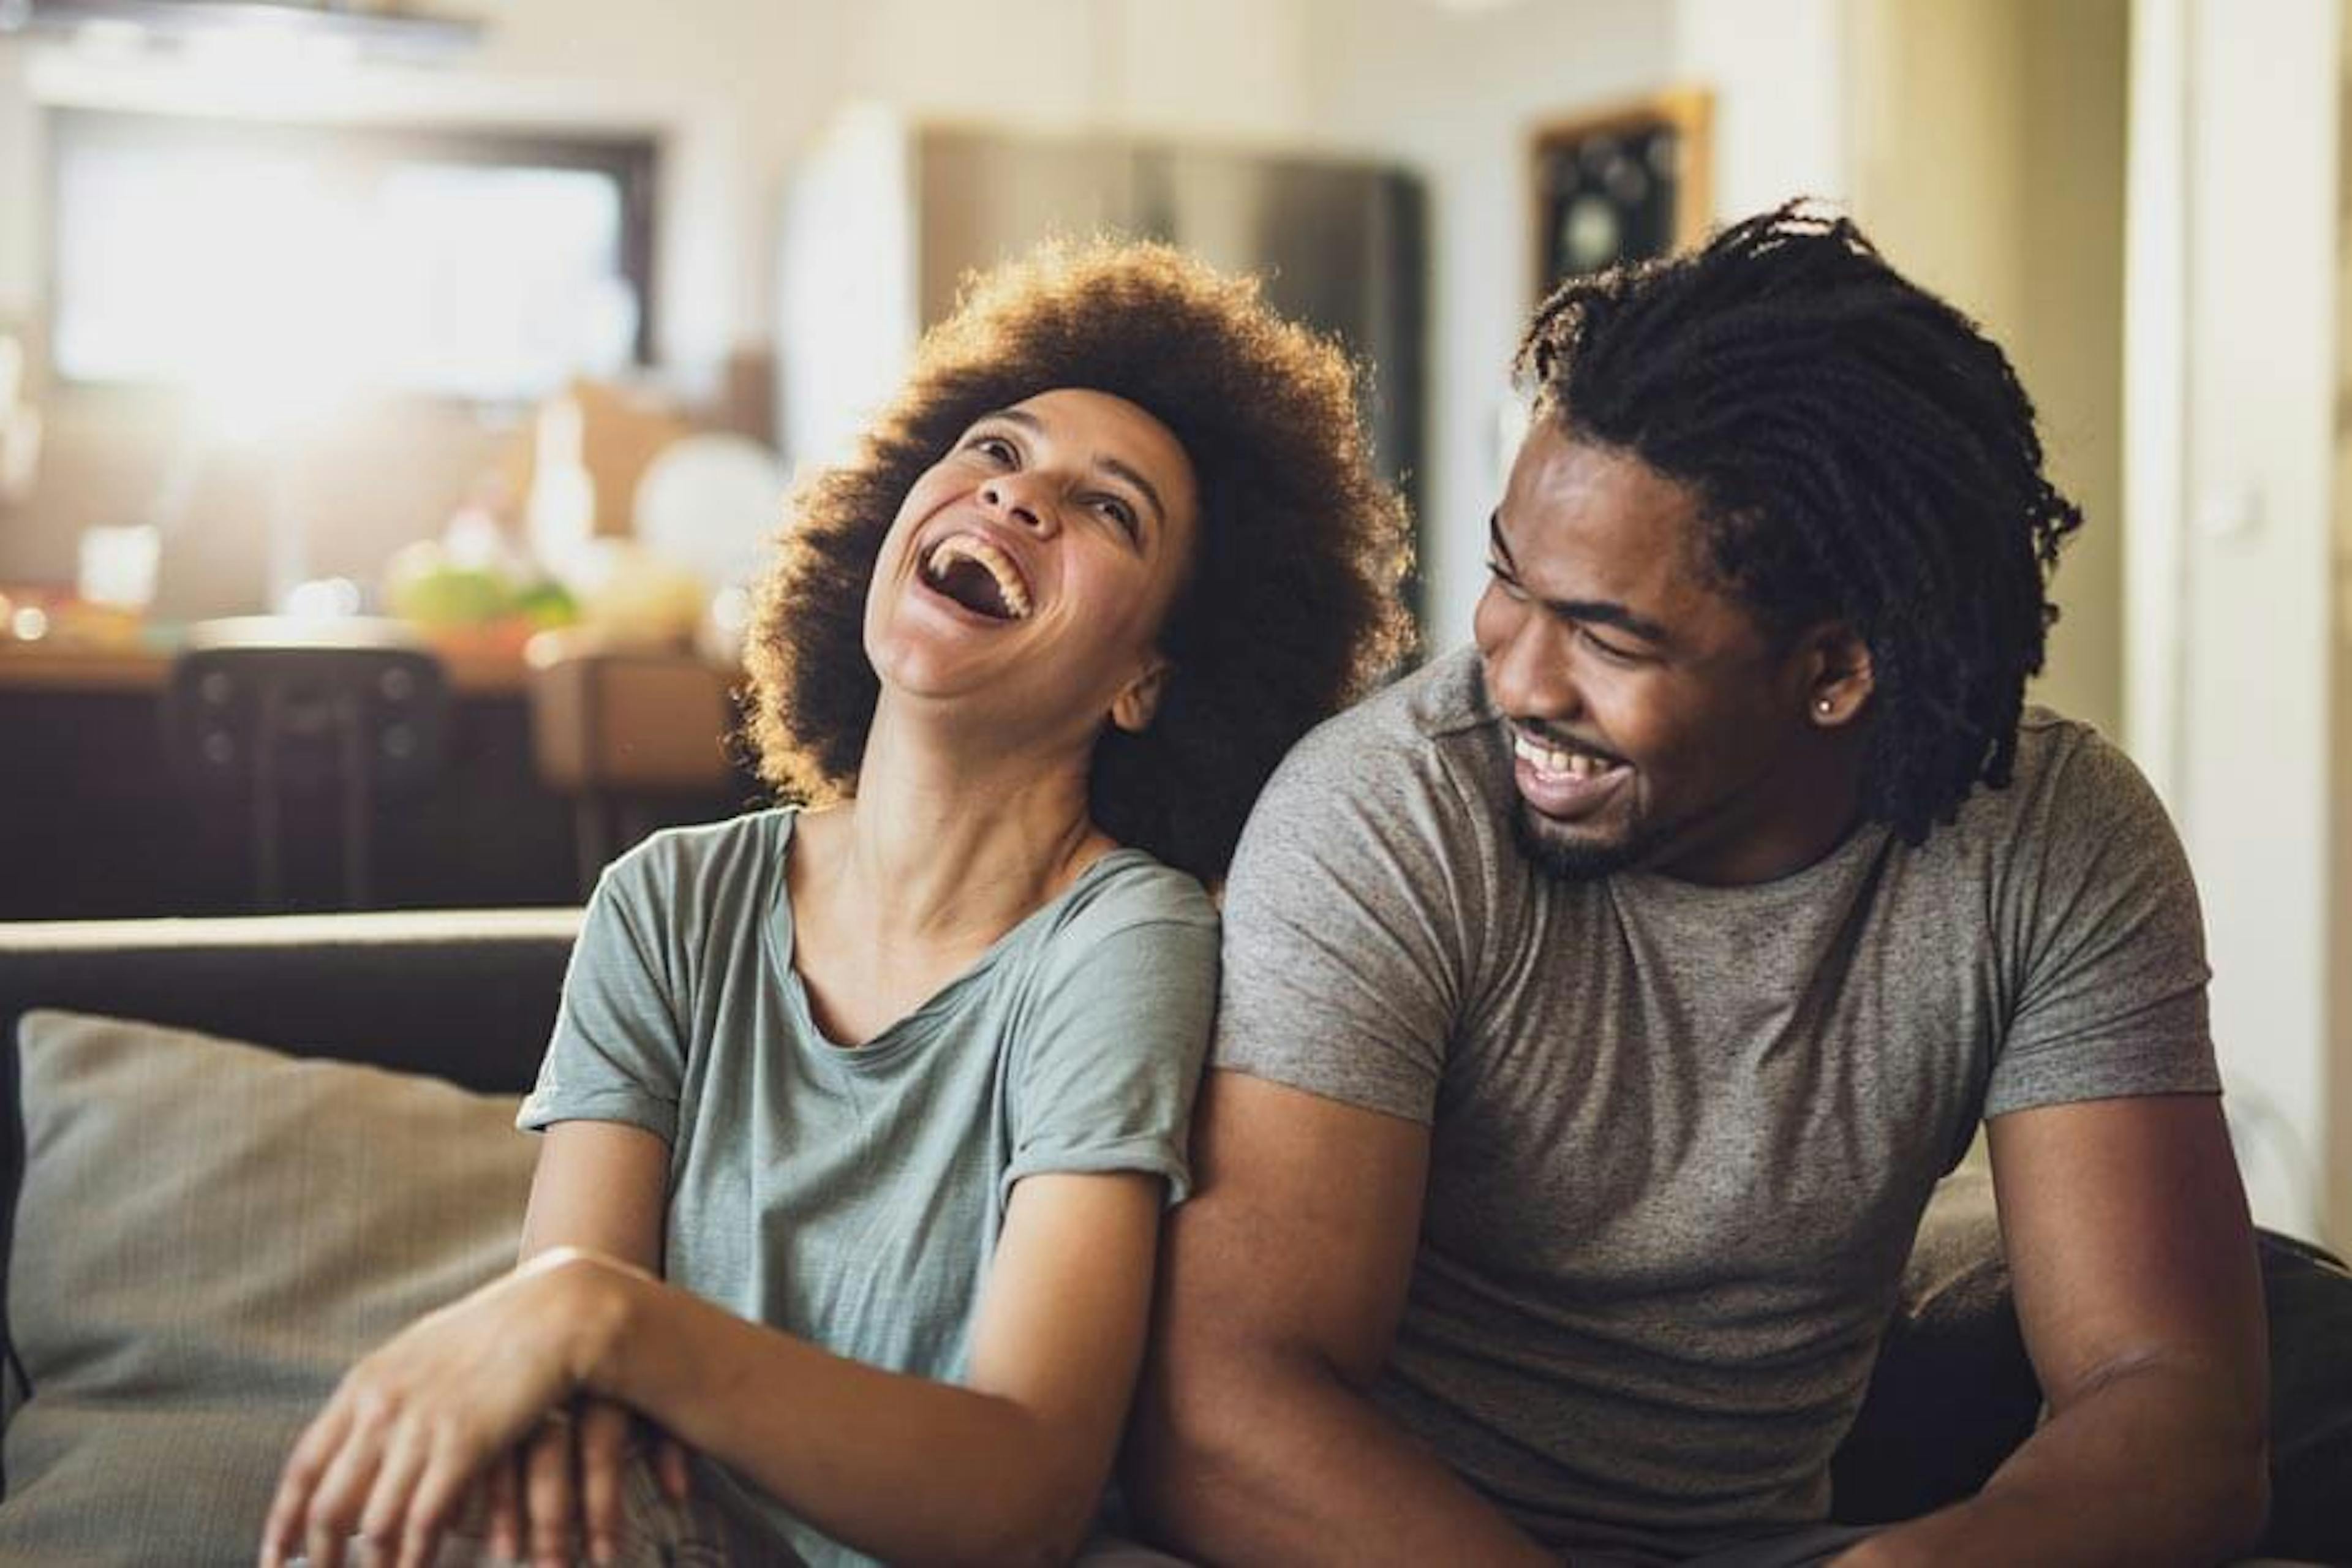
{"points": [[95, 822]]}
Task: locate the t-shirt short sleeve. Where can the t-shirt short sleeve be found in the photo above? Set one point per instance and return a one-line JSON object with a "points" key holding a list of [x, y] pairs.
{"points": [[2112, 998], [1342, 971], [617, 1052], [1109, 1050]]}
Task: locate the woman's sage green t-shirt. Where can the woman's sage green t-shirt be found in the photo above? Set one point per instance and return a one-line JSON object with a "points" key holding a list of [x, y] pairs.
{"points": [[853, 1196]]}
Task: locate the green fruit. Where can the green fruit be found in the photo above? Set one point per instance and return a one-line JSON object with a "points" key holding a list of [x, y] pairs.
{"points": [[452, 596], [548, 604]]}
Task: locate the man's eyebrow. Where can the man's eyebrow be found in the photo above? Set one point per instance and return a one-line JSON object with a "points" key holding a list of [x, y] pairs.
{"points": [[1494, 537], [1112, 466], [1593, 612]]}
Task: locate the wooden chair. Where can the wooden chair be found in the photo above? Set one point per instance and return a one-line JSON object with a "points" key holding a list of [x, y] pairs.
{"points": [[266, 710], [634, 736]]}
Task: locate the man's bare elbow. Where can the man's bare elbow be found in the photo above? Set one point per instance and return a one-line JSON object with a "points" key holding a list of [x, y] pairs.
{"points": [[1169, 1442], [2242, 1509], [2238, 1468], [1189, 1425], [2233, 1500]]}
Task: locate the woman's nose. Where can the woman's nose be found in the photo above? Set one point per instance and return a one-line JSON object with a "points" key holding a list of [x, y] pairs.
{"points": [[1020, 500]]}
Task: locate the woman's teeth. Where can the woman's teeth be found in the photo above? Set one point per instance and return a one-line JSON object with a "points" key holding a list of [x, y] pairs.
{"points": [[1009, 588], [1557, 759]]}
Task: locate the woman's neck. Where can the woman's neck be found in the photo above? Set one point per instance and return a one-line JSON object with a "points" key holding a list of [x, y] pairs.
{"points": [[946, 846]]}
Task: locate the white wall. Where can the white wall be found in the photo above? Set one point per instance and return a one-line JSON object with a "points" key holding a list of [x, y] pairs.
{"points": [[1988, 165], [765, 77], [2233, 357], [1779, 72], [1387, 80], [2198, 597], [2068, 338], [1388, 77], [20, 175], [2336, 1045]]}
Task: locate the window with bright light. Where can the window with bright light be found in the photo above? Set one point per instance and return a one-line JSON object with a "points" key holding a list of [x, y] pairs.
{"points": [[272, 261]]}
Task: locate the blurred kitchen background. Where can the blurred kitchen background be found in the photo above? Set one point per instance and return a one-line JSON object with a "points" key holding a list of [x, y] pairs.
{"points": [[478, 343]]}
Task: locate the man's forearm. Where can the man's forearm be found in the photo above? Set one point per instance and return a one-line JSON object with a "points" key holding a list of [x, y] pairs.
{"points": [[2157, 1466], [1283, 1462]]}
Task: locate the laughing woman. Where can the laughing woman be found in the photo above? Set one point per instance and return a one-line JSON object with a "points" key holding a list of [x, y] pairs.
{"points": [[860, 1121]]}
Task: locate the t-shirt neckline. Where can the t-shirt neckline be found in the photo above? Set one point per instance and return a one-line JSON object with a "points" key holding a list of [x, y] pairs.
{"points": [[910, 1030]]}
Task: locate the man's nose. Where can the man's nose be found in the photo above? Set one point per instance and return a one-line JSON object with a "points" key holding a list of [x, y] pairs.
{"points": [[1021, 499], [1529, 672]]}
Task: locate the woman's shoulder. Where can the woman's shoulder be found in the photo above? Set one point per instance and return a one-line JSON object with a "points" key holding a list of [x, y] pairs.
{"points": [[703, 867], [1132, 943], [1127, 885]]}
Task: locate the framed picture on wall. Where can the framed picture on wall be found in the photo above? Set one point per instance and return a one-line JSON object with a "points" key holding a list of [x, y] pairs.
{"points": [[1621, 183]]}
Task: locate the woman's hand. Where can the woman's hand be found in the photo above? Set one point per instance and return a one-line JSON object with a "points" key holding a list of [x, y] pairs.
{"points": [[414, 1424]]}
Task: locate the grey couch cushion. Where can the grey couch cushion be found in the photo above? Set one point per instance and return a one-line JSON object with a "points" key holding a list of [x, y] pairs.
{"points": [[207, 1234], [465, 995]]}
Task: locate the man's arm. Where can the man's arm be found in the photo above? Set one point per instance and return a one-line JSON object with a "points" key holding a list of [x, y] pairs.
{"points": [[1282, 1284], [2140, 1297]]}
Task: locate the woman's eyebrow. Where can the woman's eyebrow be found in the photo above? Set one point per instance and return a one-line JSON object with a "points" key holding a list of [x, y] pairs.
{"points": [[1118, 469], [1021, 416]]}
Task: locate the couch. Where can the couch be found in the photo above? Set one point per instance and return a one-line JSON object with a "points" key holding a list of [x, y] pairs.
{"points": [[199, 1234]]}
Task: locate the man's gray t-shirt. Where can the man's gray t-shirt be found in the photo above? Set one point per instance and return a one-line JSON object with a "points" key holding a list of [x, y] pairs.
{"points": [[853, 1196], [1681, 1136]]}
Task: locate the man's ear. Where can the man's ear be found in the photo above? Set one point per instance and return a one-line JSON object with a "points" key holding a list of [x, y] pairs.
{"points": [[1838, 678], [1139, 699]]}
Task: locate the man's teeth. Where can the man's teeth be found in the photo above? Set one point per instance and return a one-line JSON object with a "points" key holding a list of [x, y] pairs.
{"points": [[966, 547], [1557, 760]]}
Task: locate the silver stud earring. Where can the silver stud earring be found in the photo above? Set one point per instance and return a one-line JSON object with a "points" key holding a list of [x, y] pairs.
{"points": [[1821, 705]]}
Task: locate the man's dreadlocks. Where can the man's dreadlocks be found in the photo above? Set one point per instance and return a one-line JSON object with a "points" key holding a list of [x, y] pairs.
{"points": [[1861, 453]]}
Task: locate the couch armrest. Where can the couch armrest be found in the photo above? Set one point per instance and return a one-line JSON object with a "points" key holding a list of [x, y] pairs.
{"points": [[1954, 1394]]}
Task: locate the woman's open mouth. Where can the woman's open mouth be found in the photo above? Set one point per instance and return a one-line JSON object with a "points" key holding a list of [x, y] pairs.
{"points": [[978, 576]]}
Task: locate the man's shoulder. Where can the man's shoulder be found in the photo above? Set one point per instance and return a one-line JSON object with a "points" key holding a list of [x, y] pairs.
{"points": [[1444, 698], [2077, 809], [1407, 727], [1408, 784], [2064, 770], [2047, 739]]}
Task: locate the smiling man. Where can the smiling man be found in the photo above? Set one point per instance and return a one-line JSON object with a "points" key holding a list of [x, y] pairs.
{"points": [[1602, 1002]]}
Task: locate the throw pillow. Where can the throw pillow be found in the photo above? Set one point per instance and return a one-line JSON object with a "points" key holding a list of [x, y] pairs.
{"points": [[207, 1234]]}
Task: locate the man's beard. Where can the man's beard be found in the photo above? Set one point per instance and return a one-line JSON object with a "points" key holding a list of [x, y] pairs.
{"points": [[1568, 861]]}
